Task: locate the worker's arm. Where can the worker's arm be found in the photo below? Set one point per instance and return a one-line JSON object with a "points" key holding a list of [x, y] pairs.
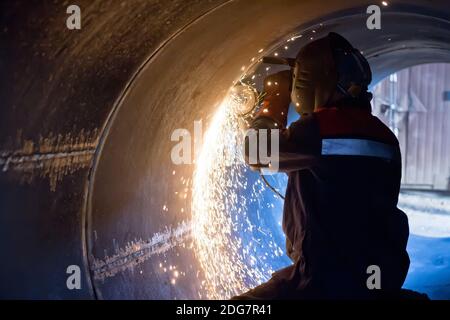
{"points": [[297, 146]]}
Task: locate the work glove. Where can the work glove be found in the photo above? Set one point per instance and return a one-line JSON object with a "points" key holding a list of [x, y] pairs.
{"points": [[277, 90]]}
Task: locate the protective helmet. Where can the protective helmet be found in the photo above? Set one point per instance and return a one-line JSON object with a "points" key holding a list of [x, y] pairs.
{"points": [[326, 66]]}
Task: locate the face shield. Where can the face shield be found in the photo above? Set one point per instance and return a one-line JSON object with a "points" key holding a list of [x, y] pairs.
{"points": [[314, 78], [324, 67], [303, 89]]}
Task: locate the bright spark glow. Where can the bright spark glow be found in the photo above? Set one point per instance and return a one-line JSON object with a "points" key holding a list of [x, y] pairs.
{"points": [[219, 212]]}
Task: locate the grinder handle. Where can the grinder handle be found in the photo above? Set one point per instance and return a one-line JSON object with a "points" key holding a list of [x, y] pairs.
{"points": [[276, 60]]}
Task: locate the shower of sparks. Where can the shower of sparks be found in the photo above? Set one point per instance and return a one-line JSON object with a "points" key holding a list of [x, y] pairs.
{"points": [[230, 249], [235, 244]]}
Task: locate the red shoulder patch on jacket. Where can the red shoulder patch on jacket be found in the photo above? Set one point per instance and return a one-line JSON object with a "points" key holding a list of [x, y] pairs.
{"points": [[353, 122]]}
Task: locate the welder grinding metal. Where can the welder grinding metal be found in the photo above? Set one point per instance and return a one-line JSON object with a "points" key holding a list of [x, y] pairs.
{"points": [[340, 212]]}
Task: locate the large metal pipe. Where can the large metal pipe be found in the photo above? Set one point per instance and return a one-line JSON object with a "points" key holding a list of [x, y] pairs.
{"points": [[87, 115]]}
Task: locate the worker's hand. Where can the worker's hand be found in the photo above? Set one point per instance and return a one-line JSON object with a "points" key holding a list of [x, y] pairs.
{"points": [[277, 88]]}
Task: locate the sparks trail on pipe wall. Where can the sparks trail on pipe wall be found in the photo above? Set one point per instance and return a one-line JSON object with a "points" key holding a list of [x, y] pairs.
{"points": [[138, 251], [52, 157]]}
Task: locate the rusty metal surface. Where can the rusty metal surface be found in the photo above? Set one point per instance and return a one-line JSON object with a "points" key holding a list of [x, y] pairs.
{"points": [[60, 89]]}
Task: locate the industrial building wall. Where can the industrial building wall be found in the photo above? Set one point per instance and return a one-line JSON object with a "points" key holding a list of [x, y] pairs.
{"points": [[415, 104]]}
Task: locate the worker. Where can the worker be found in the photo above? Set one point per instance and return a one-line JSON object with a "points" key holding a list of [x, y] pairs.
{"points": [[340, 216]]}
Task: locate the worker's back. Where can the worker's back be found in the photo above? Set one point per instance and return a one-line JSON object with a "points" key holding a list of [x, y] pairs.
{"points": [[340, 212]]}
